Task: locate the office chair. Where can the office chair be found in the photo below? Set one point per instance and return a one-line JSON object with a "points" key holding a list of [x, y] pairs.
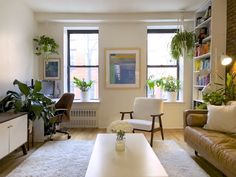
{"points": [[144, 114], [62, 112]]}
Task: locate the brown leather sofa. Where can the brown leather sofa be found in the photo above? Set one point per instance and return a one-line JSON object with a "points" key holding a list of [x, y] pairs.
{"points": [[216, 147]]}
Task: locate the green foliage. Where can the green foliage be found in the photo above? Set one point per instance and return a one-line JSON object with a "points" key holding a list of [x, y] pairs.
{"points": [[82, 84], [201, 106], [151, 83], [45, 46], [214, 97], [169, 84], [230, 92], [29, 100], [182, 42]]}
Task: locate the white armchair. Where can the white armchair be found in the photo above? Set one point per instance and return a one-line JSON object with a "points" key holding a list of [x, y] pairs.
{"points": [[146, 115]]}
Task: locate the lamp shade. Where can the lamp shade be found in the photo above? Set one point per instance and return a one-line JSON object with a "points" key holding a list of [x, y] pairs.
{"points": [[225, 60]]}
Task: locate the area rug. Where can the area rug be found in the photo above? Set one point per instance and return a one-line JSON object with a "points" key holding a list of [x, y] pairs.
{"points": [[70, 159], [176, 161], [57, 159]]}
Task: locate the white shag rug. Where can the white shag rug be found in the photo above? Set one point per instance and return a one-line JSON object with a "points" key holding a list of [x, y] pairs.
{"points": [[57, 159], [70, 159], [176, 161]]}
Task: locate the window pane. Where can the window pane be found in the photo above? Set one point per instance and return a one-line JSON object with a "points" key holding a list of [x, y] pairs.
{"points": [[159, 49], [83, 49], [157, 73], [88, 74]]}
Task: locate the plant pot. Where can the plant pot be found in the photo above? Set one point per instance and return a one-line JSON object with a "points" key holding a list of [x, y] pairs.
{"points": [[171, 96], [84, 96]]}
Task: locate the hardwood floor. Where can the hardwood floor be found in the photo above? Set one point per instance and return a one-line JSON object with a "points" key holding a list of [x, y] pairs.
{"points": [[10, 162]]}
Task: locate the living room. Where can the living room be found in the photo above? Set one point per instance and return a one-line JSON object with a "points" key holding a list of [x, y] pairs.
{"points": [[122, 26]]}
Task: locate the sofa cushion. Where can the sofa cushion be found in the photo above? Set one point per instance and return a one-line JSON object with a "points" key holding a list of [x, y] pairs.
{"points": [[221, 118]]}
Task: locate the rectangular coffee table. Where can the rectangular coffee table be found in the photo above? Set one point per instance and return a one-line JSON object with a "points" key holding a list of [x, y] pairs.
{"points": [[138, 159]]}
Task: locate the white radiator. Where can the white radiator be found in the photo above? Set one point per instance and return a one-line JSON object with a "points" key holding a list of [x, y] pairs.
{"points": [[82, 118]]}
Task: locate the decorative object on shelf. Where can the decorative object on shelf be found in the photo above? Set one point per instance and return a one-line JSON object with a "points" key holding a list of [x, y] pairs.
{"points": [[45, 46], [171, 86], [122, 68], [225, 60], [182, 42], [84, 87], [52, 69]]}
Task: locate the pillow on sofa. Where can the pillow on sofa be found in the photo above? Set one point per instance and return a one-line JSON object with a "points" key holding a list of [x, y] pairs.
{"points": [[221, 118]]}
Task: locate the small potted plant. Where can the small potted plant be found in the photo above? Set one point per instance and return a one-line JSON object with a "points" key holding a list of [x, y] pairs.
{"points": [[170, 85], [151, 85], [45, 46], [84, 87]]}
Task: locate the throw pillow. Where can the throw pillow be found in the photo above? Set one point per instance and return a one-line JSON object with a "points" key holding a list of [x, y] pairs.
{"points": [[221, 118]]}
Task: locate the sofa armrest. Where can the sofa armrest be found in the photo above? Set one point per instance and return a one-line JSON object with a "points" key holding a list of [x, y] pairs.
{"points": [[195, 118]]}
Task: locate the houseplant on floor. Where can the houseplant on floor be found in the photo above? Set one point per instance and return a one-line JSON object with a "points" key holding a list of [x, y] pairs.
{"points": [[84, 87], [170, 85]]}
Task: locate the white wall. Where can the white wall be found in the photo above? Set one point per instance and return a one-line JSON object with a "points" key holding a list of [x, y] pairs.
{"points": [[17, 29], [124, 35]]}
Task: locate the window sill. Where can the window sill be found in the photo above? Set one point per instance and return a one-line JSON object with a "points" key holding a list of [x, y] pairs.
{"points": [[175, 102], [87, 102]]}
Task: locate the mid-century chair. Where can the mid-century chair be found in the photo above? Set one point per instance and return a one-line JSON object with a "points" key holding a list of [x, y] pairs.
{"points": [[146, 115], [62, 113]]}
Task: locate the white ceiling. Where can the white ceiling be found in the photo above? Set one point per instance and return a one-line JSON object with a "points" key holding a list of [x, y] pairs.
{"points": [[113, 6]]}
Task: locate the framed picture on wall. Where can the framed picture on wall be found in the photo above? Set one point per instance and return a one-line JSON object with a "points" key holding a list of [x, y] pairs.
{"points": [[122, 68], [52, 69]]}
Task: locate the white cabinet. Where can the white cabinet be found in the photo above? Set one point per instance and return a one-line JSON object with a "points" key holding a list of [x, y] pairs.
{"points": [[210, 30], [13, 132]]}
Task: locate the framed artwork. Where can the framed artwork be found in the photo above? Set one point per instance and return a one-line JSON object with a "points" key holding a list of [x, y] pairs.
{"points": [[122, 68], [52, 69]]}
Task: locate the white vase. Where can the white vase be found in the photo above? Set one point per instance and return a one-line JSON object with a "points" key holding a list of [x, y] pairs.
{"points": [[84, 96], [171, 96], [120, 145]]}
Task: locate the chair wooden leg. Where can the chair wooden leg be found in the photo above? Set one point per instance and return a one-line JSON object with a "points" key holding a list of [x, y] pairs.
{"points": [[152, 133], [162, 133]]}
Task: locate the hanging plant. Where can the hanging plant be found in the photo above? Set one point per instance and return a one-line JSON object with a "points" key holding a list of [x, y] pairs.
{"points": [[182, 42], [45, 46]]}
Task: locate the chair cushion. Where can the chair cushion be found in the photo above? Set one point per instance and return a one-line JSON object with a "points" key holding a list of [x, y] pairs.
{"points": [[141, 124]]}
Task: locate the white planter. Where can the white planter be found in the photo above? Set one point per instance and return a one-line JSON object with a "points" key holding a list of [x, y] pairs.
{"points": [[84, 96], [171, 96]]}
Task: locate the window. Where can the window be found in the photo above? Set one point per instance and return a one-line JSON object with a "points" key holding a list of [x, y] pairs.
{"points": [[159, 62], [83, 60]]}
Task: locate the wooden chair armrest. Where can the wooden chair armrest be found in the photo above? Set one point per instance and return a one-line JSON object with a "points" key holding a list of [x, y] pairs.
{"points": [[127, 112]]}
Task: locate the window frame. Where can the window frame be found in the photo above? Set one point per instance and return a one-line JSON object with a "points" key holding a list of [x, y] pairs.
{"points": [[88, 31], [163, 66]]}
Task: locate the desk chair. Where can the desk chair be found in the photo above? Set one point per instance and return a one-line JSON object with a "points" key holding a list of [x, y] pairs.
{"points": [[62, 112], [146, 115]]}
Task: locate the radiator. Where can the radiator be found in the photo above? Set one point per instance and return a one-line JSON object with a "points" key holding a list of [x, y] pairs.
{"points": [[82, 118]]}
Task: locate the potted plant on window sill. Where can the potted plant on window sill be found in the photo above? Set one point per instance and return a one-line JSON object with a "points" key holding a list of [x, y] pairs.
{"points": [[84, 87], [170, 85]]}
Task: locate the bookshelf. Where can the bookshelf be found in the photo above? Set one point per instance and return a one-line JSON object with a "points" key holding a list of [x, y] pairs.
{"points": [[210, 31]]}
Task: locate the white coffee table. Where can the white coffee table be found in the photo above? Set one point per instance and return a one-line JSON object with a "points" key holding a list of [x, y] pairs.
{"points": [[138, 159]]}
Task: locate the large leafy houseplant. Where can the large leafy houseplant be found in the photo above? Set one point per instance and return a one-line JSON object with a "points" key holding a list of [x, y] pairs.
{"points": [[45, 46], [29, 100], [182, 42]]}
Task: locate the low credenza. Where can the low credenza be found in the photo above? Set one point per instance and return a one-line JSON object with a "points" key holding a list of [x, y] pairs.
{"points": [[138, 159], [13, 132]]}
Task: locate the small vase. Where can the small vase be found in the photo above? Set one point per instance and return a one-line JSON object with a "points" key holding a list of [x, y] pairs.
{"points": [[120, 145]]}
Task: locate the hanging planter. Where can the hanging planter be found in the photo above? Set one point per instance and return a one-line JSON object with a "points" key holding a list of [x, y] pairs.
{"points": [[45, 46], [182, 42]]}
